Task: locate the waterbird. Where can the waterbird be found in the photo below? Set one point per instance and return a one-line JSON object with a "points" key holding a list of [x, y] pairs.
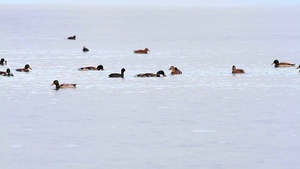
{"points": [[175, 70], [72, 37], [158, 74], [24, 69], [282, 64], [3, 61], [56, 83], [145, 51], [235, 70], [85, 49], [7, 73], [99, 67], [118, 74]]}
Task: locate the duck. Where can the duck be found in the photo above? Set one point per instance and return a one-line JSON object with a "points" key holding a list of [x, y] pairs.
{"points": [[56, 83], [175, 70], [100, 67], [72, 37], [298, 68], [160, 72], [145, 51], [235, 70], [282, 64], [3, 61], [115, 75], [7, 73], [24, 69], [85, 49]]}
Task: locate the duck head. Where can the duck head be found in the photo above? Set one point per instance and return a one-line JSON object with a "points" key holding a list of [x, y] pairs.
{"points": [[172, 68], [100, 67], [56, 83], [27, 67], [8, 72], [161, 72], [233, 67], [275, 62], [3, 61]]}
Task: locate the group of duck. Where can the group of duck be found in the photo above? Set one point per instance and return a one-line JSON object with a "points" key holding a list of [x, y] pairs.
{"points": [[8, 73], [174, 70], [276, 64]]}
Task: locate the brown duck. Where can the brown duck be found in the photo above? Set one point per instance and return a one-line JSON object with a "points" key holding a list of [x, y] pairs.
{"points": [[145, 51], [235, 70], [175, 70]]}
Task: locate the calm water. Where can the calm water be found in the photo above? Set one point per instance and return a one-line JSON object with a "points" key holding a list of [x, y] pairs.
{"points": [[205, 118]]}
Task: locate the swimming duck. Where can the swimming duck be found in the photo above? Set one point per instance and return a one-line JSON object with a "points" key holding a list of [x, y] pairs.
{"points": [[3, 61], [85, 49], [72, 37], [161, 72], [7, 73], [298, 68], [175, 70], [100, 67], [56, 83], [24, 69], [234, 70], [145, 51], [118, 74], [282, 64]]}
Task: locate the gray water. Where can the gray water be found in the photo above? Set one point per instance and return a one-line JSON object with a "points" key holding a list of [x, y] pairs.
{"points": [[205, 118]]}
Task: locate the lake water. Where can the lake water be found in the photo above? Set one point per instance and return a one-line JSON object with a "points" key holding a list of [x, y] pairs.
{"points": [[205, 118]]}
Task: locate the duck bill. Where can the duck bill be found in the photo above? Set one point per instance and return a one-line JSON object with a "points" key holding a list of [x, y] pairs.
{"points": [[52, 84], [272, 63], [30, 68], [298, 67]]}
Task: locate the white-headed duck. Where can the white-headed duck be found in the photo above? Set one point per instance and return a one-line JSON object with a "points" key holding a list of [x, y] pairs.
{"points": [[235, 70], [175, 70], [160, 72], [282, 64], [56, 83], [118, 74], [145, 51], [100, 67], [24, 69]]}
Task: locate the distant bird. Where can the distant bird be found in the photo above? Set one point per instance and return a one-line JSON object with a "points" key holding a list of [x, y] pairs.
{"points": [[7, 73], [145, 51], [85, 49], [161, 72], [175, 70], [56, 83], [24, 69], [72, 37], [118, 74], [235, 70], [282, 64], [100, 67], [3, 61]]}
